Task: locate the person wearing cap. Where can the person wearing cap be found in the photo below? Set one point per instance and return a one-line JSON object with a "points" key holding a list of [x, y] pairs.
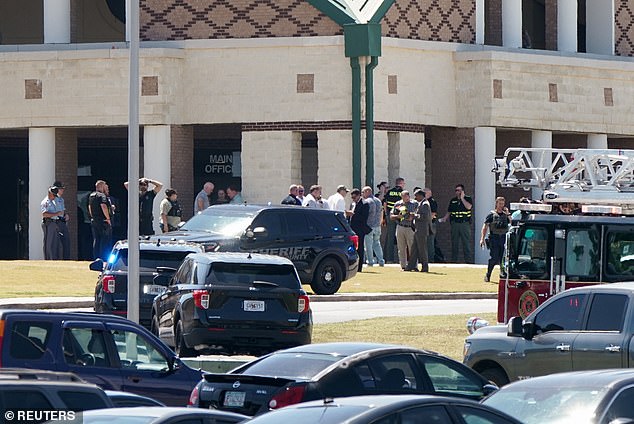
{"points": [[337, 202], [51, 214], [171, 211], [146, 204], [62, 220]]}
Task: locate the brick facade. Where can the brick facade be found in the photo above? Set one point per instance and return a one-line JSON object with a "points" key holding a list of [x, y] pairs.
{"points": [[182, 157], [66, 172], [453, 163], [624, 31], [436, 20]]}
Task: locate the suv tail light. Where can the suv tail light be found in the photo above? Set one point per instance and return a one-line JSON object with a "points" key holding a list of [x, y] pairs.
{"points": [[303, 303], [355, 241], [193, 397], [289, 396], [108, 283], [201, 299]]}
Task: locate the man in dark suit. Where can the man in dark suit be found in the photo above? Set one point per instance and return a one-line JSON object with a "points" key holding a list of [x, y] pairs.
{"points": [[423, 229], [359, 221]]}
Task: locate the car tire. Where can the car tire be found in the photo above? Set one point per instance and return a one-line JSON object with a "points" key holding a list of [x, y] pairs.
{"points": [[154, 326], [328, 277], [180, 347], [495, 375]]}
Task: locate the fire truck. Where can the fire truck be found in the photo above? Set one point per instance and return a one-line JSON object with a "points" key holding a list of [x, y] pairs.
{"points": [[580, 233]]}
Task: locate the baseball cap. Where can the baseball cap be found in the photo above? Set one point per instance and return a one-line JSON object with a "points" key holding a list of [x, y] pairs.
{"points": [[59, 184], [342, 187]]}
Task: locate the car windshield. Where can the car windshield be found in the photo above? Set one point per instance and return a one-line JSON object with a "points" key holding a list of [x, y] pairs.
{"points": [[295, 365], [149, 260], [548, 404], [327, 414], [228, 223], [247, 274]]}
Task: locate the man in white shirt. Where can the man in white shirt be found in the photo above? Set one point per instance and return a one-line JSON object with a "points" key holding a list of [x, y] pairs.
{"points": [[314, 200], [337, 202]]}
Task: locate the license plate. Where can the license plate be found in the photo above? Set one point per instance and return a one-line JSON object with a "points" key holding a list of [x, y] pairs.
{"points": [[153, 289], [235, 399], [253, 305]]}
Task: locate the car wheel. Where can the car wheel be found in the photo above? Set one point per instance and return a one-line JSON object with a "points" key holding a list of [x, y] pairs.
{"points": [[495, 375], [327, 277], [181, 348], [154, 326]]}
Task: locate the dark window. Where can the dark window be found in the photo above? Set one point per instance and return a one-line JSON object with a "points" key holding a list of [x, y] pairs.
{"points": [[622, 406], [270, 221], [183, 275], [565, 313], [246, 274], [395, 373], [582, 255], [137, 352], [620, 254], [433, 414], [448, 377], [82, 401], [607, 312], [296, 223], [23, 399], [479, 416], [328, 223], [532, 252], [29, 339], [85, 347], [292, 365]]}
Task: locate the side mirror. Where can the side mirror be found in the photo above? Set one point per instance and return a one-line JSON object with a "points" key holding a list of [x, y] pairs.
{"points": [[487, 389], [515, 327], [255, 233], [96, 265]]}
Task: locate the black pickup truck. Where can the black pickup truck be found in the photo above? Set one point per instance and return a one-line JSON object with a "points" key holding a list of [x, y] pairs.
{"points": [[111, 291]]}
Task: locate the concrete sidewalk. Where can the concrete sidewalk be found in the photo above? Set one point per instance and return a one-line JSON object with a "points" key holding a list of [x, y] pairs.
{"points": [[87, 302]]}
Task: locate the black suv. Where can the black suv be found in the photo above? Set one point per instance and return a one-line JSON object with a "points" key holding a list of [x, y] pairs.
{"points": [[233, 303], [320, 242], [111, 291], [26, 389]]}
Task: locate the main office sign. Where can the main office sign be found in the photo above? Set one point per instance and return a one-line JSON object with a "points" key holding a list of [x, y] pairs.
{"points": [[221, 163]]}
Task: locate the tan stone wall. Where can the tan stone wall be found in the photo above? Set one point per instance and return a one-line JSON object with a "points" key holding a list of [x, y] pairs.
{"points": [[182, 158], [66, 172]]}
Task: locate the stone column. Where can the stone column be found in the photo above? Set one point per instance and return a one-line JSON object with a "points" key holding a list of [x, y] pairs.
{"points": [[597, 141], [56, 21], [335, 160], [412, 159], [480, 26], [157, 163], [512, 23], [270, 156], [544, 140], [567, 25], [600, 26], [484, 186], [41, 176], [380, 158]]}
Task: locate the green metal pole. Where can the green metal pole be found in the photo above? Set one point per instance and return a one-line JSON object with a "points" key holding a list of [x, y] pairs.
{"points": [[356, 121], [369, 120]]}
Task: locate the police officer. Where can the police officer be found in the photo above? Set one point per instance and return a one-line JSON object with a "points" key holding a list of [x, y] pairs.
{"points": [[392, 196], [50, 219], [62, 220], [497, 224], [100, 224], [146, 204], [459, 213]]}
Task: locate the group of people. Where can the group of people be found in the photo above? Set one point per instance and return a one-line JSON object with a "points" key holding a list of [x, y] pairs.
{"points": [[206, 197]]}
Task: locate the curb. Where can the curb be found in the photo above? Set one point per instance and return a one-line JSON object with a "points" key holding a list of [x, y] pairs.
{"points": [[87, 302]]}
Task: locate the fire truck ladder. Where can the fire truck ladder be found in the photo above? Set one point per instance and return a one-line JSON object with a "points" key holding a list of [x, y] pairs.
{"points": [[584, 176]]}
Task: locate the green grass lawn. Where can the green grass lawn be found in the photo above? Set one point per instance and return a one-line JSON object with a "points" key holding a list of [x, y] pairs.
{"points": [[73, 278]]}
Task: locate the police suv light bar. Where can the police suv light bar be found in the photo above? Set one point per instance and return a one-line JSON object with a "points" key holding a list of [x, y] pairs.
{"points": [[607, 210], [531, 207]]}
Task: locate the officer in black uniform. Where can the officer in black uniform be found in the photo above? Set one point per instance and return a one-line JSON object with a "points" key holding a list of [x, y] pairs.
{"points": [[392, 196], [100, 224], [459, 213], [146, 204]]}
